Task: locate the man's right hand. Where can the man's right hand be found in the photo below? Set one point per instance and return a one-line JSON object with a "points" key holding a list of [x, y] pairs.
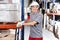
{"points": [[19, 24]]}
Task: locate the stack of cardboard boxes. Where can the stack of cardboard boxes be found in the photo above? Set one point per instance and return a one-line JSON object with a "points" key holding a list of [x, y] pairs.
{"points": [[9, 12]]}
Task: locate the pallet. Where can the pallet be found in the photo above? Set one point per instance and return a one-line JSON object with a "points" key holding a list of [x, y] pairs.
{"points": [[8, 25]]}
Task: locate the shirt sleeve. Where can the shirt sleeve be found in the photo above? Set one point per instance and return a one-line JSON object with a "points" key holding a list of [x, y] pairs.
{"points": [[39, 18]]}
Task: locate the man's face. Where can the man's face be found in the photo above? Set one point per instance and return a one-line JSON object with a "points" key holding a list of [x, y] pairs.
{"points": [[34, 9]]}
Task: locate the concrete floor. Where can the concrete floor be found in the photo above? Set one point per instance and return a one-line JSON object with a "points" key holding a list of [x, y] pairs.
{"points": [[9, 37], [46, 35]]}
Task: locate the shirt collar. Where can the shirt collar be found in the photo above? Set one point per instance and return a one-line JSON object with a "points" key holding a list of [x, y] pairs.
{"points": [[34, 13]]}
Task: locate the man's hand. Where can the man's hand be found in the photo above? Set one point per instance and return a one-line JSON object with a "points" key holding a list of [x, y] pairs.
{"points": [[19, 24]]}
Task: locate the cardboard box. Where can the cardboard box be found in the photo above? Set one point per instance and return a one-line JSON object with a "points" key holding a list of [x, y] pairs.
{"points": [[9, 16]]}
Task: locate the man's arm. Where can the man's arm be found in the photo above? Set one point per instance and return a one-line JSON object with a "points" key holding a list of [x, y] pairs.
{"points": [[26, 23], [29, 23]]}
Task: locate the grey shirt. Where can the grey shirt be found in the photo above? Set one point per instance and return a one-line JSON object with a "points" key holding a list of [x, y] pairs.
{"points": [[36, 30]]}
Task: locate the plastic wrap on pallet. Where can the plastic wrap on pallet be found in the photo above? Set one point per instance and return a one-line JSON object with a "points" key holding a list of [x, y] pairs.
{"points": [[8, 7], [15, 1], [5, 1], [9, 16]]}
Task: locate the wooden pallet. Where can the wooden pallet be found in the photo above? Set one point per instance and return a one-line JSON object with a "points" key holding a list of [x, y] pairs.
{"points": [[7, 25]]}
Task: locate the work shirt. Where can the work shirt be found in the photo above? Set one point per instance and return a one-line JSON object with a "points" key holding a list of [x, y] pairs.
{"points": [[36, 30]]}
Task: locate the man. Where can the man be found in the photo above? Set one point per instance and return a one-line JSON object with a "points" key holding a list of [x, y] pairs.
{"points": [[35, 22]]}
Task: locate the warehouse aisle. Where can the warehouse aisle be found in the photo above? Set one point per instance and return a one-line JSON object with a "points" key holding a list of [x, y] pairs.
{"points": [[48, 35]]}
